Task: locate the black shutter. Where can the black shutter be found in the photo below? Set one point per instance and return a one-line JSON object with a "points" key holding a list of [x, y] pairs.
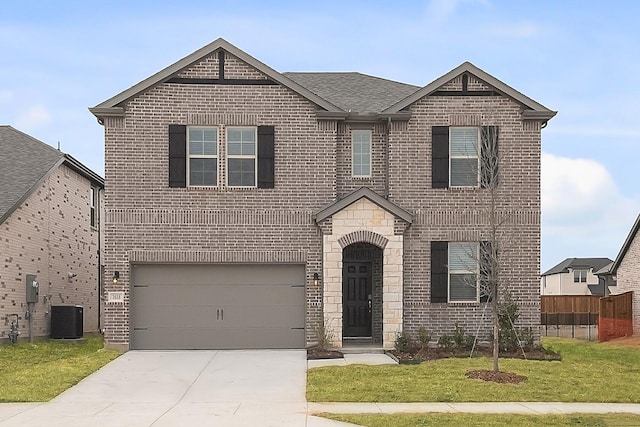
{"points": [[439, 271], [440, 157], [489, 154], [177, 156], [485, 270], [266, 140]]}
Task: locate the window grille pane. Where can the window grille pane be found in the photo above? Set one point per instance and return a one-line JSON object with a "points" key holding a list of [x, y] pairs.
{"points": [[203, 172], [464, 141], [242, 172], [203, 142], [234, 148], [464, 172], [463, 287]]}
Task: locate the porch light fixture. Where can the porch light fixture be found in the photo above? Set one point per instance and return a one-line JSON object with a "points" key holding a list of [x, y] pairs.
{"points": [[116, 276], [316, 279]]}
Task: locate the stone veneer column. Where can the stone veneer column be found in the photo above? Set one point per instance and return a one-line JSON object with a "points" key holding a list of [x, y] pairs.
{"points": [[363, 215]]}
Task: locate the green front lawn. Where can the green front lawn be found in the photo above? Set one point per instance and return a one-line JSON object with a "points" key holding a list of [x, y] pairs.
{"points": [[39, 372], [588, 372], [478, 420]]}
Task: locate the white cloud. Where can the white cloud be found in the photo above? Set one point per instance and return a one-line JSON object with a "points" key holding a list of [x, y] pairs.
{"points": [[33, 117], [583, 211]]}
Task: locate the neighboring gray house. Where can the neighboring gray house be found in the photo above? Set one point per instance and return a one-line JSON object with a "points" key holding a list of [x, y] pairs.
{"points": [[626, 270], [49, 228], [577, 276], [245, 207]]}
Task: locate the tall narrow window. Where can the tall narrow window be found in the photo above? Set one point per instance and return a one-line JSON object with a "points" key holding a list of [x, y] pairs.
{"points": [[463, 272], [464, 155], [361, 153], [203, 156], [92, 204], [241, 157]]}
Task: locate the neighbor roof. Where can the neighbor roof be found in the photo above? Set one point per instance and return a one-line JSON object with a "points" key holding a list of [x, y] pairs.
{"points": [[25, 163], [355, 91], [578, 263], [625, 247]]}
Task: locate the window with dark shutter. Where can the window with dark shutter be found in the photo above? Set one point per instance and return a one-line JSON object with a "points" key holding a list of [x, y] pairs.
{"points": [[489, 154], [439, 271], [440, 157], [177, 156], [266, 150]]}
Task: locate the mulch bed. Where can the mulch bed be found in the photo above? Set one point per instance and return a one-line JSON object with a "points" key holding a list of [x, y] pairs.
{"points": [[314, 353], [498, 377], [417, 355]]}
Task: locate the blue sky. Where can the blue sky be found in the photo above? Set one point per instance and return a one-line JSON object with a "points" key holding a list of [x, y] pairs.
{"points": [[581, 58]]}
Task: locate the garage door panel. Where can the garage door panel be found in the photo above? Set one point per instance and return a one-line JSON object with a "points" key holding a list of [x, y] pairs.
{"points": [[217, 306]]}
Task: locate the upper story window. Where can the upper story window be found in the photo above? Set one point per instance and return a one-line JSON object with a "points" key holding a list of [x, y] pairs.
{"points": [[361, 153], [93, 193], [464, 156], [580, 276], [203, 156], [241, 156], [196, 153], [464, 272]]}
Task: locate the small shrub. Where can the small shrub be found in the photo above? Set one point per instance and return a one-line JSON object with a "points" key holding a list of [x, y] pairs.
{"points": [[511, 338], [462, 340], [324, 335], [403, 342], [446, 342], [424, 337]]}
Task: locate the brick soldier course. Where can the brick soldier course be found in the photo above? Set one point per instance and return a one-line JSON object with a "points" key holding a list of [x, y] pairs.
{"points": [[308, 207]]}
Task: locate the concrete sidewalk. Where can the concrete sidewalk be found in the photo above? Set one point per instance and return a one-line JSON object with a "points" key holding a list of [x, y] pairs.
{"points": [[230, 388], [533, 408]]}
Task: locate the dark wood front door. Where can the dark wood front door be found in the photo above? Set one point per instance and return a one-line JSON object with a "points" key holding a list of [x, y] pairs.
{"points": [[356, 299]]}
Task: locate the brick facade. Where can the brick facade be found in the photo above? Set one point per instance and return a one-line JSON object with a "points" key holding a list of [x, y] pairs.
{"points": [[628, 273], [146, 221], [50, 236]]}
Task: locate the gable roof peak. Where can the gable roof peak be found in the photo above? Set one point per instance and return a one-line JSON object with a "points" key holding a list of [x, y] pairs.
{"points": [[114, 105], [533, 109]]}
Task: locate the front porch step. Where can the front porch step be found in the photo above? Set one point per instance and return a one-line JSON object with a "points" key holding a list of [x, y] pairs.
{"points": [[361, 349]]}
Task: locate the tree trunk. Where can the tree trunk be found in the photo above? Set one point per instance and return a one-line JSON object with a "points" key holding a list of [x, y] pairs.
{"points": [[496, 330]]}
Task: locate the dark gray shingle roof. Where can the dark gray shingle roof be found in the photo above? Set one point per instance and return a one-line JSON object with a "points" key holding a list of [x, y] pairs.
{"points": [[355, 92], [24, 161], [578, 263]]}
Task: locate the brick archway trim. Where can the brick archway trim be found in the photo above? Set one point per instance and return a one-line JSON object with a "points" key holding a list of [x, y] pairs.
{"points": [[363, 236]]}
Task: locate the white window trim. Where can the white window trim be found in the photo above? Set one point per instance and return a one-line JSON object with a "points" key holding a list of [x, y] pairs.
{"points": [[353, 133], [465, 157], [582, 275], [242, 156], [204, 156], [476, 272]]}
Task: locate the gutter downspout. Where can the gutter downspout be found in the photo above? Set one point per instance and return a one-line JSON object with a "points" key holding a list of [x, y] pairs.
{"points": [[100, 290], [386, 178]]}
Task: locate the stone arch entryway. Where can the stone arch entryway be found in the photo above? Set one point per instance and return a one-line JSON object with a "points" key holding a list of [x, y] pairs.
{"points": [[362, 271], [363, 218]]}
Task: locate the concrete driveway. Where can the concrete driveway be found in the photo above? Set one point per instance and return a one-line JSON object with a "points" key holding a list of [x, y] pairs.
{"points": [[177, 388]]}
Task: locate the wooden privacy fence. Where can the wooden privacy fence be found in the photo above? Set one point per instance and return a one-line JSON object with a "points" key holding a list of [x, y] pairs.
{"points": [[561, 311], [615, 317], [612, 314]]}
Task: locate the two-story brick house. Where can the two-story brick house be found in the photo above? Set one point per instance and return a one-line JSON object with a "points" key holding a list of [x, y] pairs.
{"points": [[244, 206], [49, 233]]}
